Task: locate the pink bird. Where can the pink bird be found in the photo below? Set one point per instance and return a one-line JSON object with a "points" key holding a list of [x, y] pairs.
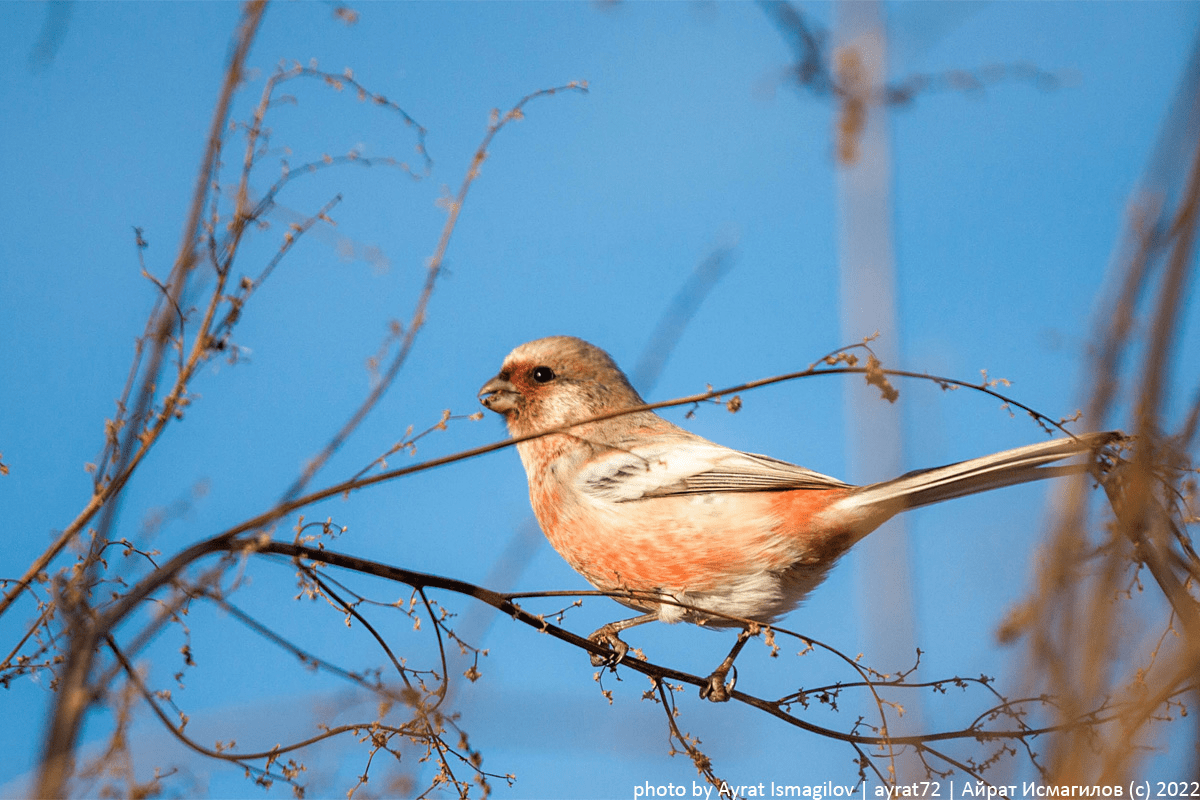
{"points": [[683, 529]]}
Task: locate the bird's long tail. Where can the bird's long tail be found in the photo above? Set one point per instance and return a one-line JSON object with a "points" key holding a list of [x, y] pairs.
{"points": [[1021, 465]]}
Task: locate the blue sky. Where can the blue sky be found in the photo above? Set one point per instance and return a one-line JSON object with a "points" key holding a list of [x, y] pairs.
{"points": [[588, 216]]}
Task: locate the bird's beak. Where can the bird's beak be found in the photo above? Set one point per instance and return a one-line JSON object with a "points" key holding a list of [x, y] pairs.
{"points": [[499, 395]]}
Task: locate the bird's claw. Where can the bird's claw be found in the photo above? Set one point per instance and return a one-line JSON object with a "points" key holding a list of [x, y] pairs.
{"points": [[613, 641], [717, 690]]}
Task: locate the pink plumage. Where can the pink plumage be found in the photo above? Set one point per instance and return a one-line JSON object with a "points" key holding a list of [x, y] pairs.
{"points": [[692, 530]]}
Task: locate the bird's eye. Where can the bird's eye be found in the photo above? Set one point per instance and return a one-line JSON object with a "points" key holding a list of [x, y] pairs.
{"points": [[543, 374]]}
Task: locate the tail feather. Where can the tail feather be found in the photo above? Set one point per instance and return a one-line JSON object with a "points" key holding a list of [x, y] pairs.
{"points": [[1021, 465]]}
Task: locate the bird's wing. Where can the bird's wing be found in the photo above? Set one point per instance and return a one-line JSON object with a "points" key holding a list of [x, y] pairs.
{"points": [[690, 466]]}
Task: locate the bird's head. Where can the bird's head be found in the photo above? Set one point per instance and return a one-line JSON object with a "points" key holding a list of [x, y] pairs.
{"points": [[555, 381]]}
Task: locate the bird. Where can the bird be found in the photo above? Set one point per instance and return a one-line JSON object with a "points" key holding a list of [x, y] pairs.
{"points": [[682, 529]]}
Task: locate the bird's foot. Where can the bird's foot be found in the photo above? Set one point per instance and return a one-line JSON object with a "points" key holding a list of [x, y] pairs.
{"points": [[717, 689], [608, 636]]}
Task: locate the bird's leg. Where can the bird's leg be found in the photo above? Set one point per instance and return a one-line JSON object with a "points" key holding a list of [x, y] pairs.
{"points": [[607, 635], [717, 689]]}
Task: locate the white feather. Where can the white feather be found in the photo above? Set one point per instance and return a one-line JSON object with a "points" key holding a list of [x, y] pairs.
{"points": [[693, 466], [1019, 465]]}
